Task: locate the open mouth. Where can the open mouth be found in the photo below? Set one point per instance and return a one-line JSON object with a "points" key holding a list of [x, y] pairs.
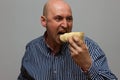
{"points": [[60, 33]]}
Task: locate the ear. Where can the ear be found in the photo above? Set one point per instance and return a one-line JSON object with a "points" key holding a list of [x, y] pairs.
{"points": [[43, 21]]}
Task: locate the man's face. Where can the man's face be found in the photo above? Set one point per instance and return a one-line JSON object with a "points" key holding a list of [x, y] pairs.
{"points": [[59, 21]]}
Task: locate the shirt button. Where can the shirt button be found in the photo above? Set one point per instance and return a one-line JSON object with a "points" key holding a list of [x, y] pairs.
{"points": [[54, 71]]}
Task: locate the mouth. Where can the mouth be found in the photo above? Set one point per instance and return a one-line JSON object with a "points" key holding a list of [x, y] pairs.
{"points": [[61, 32]]}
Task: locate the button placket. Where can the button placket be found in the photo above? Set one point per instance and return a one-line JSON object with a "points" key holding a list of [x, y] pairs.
{"points": [[55, 67]]}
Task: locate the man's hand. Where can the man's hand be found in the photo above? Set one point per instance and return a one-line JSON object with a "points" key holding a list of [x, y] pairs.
{"points": [[80, 53]]}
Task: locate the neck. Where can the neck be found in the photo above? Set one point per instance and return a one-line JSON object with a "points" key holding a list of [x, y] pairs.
{"points": [[55, 47]]}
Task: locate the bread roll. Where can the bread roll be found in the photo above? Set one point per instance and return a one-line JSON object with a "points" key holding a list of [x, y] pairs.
{"points": [[64, 37]]}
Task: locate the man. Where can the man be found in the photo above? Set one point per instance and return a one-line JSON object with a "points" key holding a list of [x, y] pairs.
{"points": [[47, 58]]}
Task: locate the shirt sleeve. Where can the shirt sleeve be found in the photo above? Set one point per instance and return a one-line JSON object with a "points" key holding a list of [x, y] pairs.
{"points": [[99, 69], [24, 75], [26, 67]]}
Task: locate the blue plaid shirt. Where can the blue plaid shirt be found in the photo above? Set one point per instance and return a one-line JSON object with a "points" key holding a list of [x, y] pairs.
{"points": [[39, 64]]}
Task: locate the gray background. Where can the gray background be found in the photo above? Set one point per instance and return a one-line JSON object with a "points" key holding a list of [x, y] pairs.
{"points": [[20, 23]]}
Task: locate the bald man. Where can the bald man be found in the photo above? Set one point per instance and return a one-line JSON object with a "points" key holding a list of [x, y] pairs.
{"points": [[48, 58]]}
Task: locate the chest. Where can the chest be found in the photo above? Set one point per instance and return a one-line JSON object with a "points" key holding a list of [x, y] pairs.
{"points": [[57, 68]]}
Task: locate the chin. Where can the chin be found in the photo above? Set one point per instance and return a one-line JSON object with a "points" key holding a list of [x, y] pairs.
{"points": [[59, 42]]}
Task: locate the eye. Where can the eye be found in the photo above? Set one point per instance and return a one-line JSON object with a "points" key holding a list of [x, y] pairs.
{"points": [[69, 19], [58, 18]]}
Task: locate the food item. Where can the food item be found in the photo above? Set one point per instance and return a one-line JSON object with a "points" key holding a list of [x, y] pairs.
{"points": [[64, 37]]}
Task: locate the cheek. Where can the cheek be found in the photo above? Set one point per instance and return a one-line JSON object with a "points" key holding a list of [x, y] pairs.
{"points": [[52, 29], [55, 27], [70, 26], [53, 24]]}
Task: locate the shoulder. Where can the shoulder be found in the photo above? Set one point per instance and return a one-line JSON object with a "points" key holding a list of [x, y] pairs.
{"points": [[35, 41], [90, 42], [93, 47]]}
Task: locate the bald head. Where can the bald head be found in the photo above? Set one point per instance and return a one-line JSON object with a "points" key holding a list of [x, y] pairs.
{"points": [[51, 3]]}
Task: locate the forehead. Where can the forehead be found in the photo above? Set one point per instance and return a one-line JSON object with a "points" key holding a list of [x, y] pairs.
{"points": [[59, 9]]}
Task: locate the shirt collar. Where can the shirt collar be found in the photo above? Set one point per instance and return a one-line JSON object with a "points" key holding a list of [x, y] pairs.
{"points": [[62, 50]]}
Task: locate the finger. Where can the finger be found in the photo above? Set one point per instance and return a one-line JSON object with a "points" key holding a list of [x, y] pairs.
{"points": [[75, 51], [72, 51], [77, 44], [76, 39], [82, 44], [72, 43]]}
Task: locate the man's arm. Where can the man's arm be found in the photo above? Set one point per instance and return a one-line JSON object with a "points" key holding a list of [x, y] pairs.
{"points": [[24, 75], [91, 59], [28, 57]]}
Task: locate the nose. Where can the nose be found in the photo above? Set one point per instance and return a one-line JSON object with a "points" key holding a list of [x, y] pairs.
{"points": [[64, 23]]}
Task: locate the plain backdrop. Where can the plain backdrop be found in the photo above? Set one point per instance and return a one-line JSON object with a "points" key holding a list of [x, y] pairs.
{"points": [[20, 23]]}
